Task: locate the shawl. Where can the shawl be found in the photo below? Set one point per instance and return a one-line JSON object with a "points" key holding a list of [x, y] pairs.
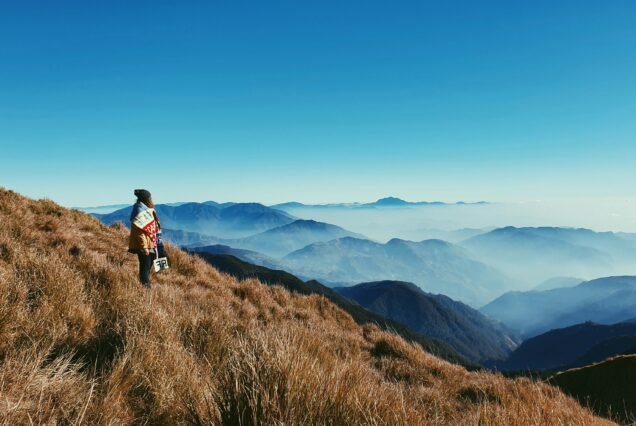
{"points": [[143, 217]]}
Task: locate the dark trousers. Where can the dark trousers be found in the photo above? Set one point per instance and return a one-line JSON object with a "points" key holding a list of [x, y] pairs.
{"points": [[145, 266]]}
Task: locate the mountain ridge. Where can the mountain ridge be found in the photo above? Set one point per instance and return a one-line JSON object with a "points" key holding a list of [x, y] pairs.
{"points": [[535, 254], [385, 202], [605, 300], [282, 240], [465, 329], [565, 347], [436, 266], [235, 220]]}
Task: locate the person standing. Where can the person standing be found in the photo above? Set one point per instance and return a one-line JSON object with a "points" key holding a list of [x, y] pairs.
{"points": [[143, 233]]}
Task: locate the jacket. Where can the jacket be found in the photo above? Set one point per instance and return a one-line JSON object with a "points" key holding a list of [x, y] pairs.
{"points": [[141, 239]]}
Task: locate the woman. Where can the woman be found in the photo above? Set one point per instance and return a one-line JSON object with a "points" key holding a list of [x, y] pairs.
{"points": [[144, 224]]}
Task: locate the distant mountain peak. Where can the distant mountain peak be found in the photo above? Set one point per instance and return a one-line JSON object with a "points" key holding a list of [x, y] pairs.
{"points": [[382, 202], [438, 242], [391, 201], [312, 225], [308, 222], [250, 206], [389, 284], [396, 241]]}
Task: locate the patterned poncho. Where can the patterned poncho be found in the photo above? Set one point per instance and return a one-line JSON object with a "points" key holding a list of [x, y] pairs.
{"points": [[143, 217]]}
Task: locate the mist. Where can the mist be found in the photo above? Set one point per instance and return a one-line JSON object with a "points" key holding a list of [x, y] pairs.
{"points": [[424, 222]]}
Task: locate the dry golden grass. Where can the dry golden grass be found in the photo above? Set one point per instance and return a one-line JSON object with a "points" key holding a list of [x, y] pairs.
{"points": [[81, 342]]}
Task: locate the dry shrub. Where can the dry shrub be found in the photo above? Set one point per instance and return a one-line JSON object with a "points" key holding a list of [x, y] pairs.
{"points": [[82, 342]]}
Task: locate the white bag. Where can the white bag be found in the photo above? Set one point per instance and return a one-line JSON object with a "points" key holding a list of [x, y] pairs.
{"points": [[160, 264]]}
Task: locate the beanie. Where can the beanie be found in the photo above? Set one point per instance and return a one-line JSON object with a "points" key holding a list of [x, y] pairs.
{"points": [[142, 194]]}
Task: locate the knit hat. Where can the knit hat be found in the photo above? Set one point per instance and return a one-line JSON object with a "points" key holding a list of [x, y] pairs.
{"points": [[142, 194]]}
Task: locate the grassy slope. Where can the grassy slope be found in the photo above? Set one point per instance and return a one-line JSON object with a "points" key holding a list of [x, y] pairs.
{"points": [[243, 270], [82, 342], [607, 387]]}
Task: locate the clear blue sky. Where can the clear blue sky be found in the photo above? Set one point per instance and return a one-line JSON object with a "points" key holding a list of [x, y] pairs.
{"points": [[318, 101]]}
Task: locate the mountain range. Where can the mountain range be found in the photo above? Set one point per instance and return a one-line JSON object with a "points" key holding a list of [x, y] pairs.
{"points": [[533, 255], [222, 221], [475, 271], [388, 202], [467, 331], [605, 300], [454, 236], [435, 266], [382, 202], [282, 240]]}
